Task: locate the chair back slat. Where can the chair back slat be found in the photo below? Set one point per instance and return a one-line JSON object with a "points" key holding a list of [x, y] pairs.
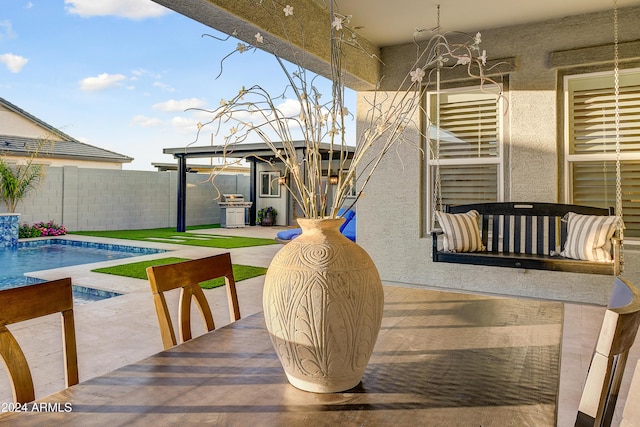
{"points": [[187, 276], [506, 234], [617, 335], [29, 302], [17, 367]]}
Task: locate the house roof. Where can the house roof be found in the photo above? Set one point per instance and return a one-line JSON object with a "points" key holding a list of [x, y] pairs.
{"points": [[58, 144], [250, 151]]}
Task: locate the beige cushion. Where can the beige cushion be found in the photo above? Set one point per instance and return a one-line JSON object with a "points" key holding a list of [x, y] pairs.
{"points": [[461, 232], [589, 237]]}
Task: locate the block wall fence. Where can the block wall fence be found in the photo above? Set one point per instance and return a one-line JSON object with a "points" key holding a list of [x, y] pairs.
{"points": [[103, 199]]}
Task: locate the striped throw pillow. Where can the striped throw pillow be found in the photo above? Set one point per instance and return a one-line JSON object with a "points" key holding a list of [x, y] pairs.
{"points": [[589, 237], [461, 232]]}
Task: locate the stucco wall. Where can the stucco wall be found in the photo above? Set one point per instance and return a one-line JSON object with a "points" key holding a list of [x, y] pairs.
{"points": [[102, 199], [14, 124], [391, 215], [279, 203]]}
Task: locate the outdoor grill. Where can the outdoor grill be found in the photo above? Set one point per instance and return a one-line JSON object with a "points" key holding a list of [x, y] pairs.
{"points": [[233, 210]]}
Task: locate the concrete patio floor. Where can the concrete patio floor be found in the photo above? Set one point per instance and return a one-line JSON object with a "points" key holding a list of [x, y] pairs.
{"points": [[122, 330]]}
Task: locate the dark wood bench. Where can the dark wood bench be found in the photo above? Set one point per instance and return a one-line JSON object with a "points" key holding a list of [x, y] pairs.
{"points": [[523, 235]]}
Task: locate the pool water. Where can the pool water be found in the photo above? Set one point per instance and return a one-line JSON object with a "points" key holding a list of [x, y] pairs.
{"points": [[54, 253]]}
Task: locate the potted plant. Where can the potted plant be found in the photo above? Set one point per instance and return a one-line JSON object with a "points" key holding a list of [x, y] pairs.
{"points": [[323, 297], [16, 181], [267, 216]]}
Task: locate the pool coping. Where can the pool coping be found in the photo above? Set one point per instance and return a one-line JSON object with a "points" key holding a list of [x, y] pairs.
{"points": [[33, 277], [34, 243]]}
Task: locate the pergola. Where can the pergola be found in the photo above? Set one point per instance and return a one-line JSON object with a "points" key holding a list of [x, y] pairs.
{"points": [[252, 152]]}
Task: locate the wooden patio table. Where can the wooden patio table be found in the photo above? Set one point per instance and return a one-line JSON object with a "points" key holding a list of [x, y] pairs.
{"points": [[441, 359]]}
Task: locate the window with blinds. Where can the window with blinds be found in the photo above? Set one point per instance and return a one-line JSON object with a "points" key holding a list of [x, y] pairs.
{"points": [[468, 158], [591, 142], [464, 184], [469, 125]]}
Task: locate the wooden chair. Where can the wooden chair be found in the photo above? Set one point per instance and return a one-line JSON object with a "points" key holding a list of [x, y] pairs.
{"points": [[29, 302], [188, 275], [617, 334], [631, 413]]}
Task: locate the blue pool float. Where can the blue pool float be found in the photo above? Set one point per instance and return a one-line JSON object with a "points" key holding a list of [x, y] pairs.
{"points": [[348, 229]]}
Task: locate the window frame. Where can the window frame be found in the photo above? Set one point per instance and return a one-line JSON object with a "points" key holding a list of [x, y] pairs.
{"points": [[498, 160], [273, 177], [569, 159]]}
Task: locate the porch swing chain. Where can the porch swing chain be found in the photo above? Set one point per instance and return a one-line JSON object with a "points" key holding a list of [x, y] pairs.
{"points": [[437, 186], [616, 80]]}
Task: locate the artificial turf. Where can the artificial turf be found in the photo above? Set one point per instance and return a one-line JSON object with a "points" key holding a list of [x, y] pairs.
{"points": [[170, 235], [137, 270]]}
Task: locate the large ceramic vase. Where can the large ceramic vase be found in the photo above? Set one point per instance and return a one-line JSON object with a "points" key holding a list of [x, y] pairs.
{"points": [[323, 303]]}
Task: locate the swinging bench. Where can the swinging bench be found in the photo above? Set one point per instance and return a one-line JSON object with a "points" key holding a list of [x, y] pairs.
{"points": [[541, 236], [528, 235]]}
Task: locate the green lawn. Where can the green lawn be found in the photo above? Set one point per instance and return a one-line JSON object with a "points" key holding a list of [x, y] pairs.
{"points": [[137, 270], [191, 237]]}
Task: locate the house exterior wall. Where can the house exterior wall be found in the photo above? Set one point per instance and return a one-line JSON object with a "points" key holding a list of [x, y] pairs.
{"points": [[103, 199], [288, 209], [14, 124], [279, 203], [396, 236]]}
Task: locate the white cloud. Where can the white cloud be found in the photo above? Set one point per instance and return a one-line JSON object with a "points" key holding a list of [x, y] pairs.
{"points": [[14, 63], [185, 125], [290, 107], [132, 9], [141, 72], [101, 82], [6, 30], [165, 87], [179, 104], [146, 122]]}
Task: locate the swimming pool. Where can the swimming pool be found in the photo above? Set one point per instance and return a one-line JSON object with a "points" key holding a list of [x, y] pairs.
{"points": [[45, 254]]}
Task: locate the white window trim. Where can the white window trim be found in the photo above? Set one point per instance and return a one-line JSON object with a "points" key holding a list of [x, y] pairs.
{"points": [[499, 159], [273, 177]]}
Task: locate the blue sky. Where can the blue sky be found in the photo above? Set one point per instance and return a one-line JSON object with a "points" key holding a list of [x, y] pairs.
{"points": [[118, 74]]}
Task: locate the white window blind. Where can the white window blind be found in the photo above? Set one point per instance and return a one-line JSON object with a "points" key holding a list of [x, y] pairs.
{"points": [[591, 143], [592, 116], [464, 184], [594, 184], [469, 125]]}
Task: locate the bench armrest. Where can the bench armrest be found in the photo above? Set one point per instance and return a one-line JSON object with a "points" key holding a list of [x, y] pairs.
{"points": [[615, 243], [434, 247]]}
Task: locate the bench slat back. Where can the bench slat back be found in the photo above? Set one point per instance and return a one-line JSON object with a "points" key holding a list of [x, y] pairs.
{"points": [[530, 228]]}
